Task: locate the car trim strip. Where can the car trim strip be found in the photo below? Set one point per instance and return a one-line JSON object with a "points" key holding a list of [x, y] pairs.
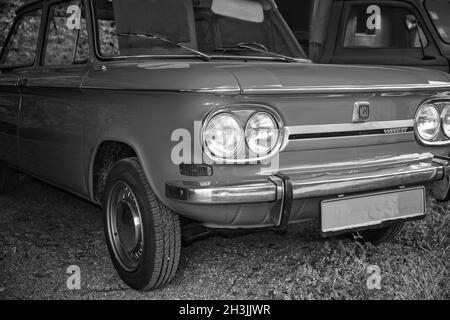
{"points": [[439, 86], [343, 129], [349, 133], [309, 89]]}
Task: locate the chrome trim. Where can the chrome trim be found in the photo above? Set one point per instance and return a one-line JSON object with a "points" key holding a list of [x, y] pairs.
{"points": [[344, 127], [330, 185], [310, 89], [280, 197], [356, 107], [213, 90], [128, 255], [437, 143], [305, 186], [209, 91], [194, 57], [348, 89], [223, 193], [349, 141], [443, 113], [362, 165]]}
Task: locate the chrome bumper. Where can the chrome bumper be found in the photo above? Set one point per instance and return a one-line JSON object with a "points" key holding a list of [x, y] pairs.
{"points": [[331, 183]]}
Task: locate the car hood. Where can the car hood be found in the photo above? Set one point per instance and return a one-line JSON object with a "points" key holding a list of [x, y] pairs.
{"points": [[315, 77], [256, 77]]}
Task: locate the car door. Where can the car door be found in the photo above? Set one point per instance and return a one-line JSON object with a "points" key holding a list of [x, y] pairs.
{"points": [[52, 112], [18, 58], [386, 33]]}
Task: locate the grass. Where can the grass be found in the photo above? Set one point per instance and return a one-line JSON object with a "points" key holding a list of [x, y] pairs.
{"points": [[44, 230]]}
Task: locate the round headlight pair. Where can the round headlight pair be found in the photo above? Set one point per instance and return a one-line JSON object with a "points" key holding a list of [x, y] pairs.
{"points": [[224, 134]]}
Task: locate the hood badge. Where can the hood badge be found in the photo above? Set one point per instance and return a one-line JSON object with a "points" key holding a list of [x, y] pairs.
{"points": [[361, 112]]}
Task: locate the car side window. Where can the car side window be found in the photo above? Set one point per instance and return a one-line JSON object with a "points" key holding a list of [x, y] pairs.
{"points": [[109, 43], [21, 47], [67, 37], [382, 26]]}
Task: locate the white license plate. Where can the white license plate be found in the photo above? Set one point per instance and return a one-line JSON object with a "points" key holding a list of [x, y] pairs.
{"points": [[365, 211]]}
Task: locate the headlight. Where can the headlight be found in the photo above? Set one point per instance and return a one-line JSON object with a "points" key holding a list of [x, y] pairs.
{"points": [[446, 121], [428, 122], [223, 135], [262, 133]]}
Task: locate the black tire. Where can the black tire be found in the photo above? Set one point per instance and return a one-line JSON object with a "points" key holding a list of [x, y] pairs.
{"points": [[9, 178], [378, 236], [149, 259]]}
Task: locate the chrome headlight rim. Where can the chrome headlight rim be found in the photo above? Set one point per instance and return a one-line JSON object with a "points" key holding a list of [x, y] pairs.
{"points": [[432, 140], [251, 109], [445, 128], [204, 143]]}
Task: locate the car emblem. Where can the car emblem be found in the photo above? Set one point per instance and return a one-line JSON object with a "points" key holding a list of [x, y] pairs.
{"points": [[396, 130], [361, 111]]}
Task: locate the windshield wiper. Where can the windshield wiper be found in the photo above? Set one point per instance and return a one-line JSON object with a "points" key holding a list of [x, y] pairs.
{"points": [[155, 36], [256, 47]]}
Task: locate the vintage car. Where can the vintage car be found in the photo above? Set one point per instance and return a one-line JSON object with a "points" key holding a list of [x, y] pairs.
{"points": [[207, 111], [401, 32]]}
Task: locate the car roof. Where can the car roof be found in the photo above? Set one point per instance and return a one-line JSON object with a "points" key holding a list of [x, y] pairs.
{"points": [[34, 2]]}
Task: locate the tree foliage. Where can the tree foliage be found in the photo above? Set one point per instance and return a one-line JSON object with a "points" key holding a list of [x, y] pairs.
{"points": [[7, 16], [62, 40]]}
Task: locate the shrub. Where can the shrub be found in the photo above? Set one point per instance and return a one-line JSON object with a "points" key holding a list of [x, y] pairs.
{"points": [[8, 9]]}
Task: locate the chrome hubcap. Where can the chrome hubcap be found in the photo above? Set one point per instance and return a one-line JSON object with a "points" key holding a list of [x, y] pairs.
{"points": [[125, 226]]}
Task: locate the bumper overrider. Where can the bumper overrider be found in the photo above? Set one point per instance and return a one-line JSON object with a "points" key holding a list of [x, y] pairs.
{"points": [[284, 188]]}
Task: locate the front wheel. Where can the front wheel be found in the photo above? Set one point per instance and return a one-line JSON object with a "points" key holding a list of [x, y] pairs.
{"points": [[143, 236], [377, 236]]}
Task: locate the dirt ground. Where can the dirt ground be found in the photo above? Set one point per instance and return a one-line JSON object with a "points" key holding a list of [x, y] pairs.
{"points": [[43, 231]]}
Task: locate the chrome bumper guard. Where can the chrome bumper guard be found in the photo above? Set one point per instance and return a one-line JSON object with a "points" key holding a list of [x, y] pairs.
{"points": [[286, 188]]}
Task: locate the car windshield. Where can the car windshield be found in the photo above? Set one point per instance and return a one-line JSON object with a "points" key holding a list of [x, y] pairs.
{"points": [[439, 11], [201, 28]]}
